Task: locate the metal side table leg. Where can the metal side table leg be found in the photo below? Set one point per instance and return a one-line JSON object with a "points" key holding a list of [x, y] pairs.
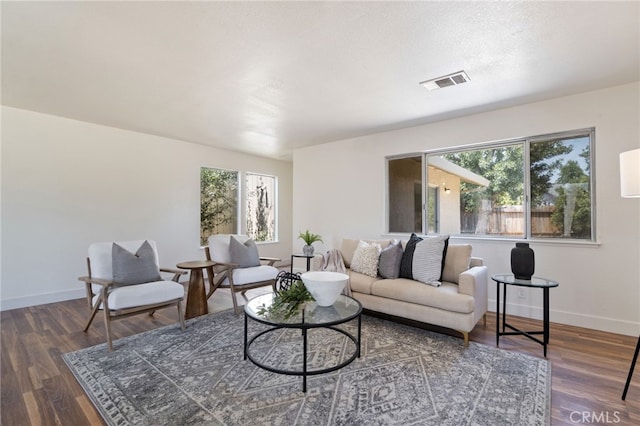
{"points": [[498, 314], [631, 368], [545, 312]]}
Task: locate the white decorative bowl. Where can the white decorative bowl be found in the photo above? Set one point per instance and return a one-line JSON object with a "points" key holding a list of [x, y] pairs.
{"points": [[324, 286]]}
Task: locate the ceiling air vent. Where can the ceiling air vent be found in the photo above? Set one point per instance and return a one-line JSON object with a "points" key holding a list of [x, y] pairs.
{"points": [[446, 81]]}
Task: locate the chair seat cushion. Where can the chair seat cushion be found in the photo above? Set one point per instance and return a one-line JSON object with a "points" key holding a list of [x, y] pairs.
{"points": [[252, 275], [143, 294]]}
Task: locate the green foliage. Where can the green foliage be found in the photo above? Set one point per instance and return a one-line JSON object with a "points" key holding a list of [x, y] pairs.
{"points": [[309, 238], [543, 166], [218, 200], [286, 303], [503, 167]]}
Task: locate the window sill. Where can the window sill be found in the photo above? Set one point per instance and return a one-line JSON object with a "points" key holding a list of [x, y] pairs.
{"points": [[536, 241]]}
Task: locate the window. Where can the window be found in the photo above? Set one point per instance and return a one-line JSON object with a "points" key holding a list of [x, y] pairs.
{"points": [[405, 194], [537, 187], [218, 202], [261, 207], [561, 201], [481, 190]]}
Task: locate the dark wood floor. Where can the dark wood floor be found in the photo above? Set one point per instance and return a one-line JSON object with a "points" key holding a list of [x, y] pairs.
{"points": [[589, 368]]}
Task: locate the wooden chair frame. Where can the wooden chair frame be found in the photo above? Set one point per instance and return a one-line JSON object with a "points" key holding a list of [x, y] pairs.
{"points": [[220, 271], [113, 314]]}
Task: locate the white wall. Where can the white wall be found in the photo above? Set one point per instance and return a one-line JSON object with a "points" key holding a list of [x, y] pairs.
{"points": [[339, 191], [68, 183]]}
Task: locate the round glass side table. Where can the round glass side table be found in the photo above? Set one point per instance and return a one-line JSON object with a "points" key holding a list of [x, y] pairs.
{"points": [[535, 282]]}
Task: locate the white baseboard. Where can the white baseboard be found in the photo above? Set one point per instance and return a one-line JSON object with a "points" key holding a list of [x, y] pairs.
{"points": [[611, 325], [41, 299]]}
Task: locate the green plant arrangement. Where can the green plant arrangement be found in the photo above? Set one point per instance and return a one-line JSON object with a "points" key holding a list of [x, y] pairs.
{"points": [[287, 303], [309, 238]]}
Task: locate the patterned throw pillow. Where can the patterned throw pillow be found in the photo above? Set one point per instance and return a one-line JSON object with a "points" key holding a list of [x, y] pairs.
{"points": [[406, 263], [427, 260], [365, 259], [390, 258], [131, 269], [424, 264]]}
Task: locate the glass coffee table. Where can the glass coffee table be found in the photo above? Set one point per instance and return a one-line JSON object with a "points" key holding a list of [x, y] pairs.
{"points": [[311, 317]]}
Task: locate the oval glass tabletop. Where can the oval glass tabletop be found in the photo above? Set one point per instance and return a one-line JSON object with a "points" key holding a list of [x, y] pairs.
{"points": [[344, 309]]}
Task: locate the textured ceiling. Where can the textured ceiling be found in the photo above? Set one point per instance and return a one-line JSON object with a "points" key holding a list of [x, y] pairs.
{"points": [[269, 77]]}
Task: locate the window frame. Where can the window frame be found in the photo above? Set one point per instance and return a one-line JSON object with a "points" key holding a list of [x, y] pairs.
{"points": [[527, 207]]}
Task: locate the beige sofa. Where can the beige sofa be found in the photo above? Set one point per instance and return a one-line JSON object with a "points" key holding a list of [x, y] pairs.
{"points": [[457, 304]]}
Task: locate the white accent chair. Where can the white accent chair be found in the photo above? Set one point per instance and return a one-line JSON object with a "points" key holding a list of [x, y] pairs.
{"points": [[225, 274], [103, 293]]}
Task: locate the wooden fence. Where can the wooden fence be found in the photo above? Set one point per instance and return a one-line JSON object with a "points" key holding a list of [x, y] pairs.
{"points": [[509, 221]]}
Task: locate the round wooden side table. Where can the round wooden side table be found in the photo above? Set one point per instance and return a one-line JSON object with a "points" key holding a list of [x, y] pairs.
{"points": [[196, 295]]}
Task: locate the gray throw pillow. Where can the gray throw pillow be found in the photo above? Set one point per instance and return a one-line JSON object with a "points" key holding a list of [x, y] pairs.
{"points": [[245, 255], [390, 258], [131, 269]]}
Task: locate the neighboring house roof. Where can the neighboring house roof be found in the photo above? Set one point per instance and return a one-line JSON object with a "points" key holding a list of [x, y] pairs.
{"points": [[464, 174]]}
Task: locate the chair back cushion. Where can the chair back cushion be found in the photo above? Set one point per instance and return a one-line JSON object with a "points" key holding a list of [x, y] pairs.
{"points": [[219, 246], [134, 268], [100, 256]]}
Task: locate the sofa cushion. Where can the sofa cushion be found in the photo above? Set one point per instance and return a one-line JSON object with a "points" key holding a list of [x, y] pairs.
{"points": [[347, 249], [132, 269], [361, 283], [365, 259], [445, 297], [456, 262], [390, 258]]}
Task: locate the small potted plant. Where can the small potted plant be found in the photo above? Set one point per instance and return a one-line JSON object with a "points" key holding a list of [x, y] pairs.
{"points": [[309, 239]]}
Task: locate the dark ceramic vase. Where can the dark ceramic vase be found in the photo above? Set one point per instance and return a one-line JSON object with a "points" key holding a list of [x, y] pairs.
{"points": [[522, 261]]}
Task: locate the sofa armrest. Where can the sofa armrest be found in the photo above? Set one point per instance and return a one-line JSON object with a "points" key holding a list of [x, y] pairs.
{"points": [[473, 280]]}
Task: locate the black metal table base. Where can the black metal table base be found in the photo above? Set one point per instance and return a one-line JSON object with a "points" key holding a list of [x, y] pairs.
{"points": [[517, 332], [305, 328], [631, 368]]}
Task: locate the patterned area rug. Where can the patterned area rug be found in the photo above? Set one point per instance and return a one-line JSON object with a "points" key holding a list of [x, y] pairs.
{"points": [[405, 376]]}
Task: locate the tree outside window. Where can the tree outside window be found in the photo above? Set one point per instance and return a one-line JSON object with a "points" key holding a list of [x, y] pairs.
{"points": [[261, 207], [218, 202], [560, 176]]}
